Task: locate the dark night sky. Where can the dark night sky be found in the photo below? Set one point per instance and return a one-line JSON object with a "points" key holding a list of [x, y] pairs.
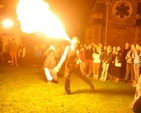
{"points": [[69, 11]]}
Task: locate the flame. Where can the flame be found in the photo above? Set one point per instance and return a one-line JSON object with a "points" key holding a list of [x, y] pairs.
{"points": [[35, 16]]}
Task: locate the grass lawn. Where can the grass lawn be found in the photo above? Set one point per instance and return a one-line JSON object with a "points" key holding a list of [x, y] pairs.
{"points": [[24, 90]]}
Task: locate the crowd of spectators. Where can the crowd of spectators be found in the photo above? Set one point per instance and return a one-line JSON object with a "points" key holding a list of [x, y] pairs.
{"points": [[111, 62], [99, 61]]}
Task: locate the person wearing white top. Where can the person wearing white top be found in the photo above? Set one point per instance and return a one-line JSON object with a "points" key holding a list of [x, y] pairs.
{"points": [[96, 62]]}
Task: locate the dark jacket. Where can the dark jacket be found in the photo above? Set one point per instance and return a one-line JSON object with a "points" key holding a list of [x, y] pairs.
{"points": [[106, 57], [89, 53], [119, 56]]}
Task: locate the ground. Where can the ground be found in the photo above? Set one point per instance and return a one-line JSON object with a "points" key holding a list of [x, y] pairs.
{"points": [[24, 89]]}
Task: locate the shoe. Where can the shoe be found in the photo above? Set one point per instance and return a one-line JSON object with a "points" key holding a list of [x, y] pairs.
{"points": [[92, 86], [49, 82], [134, 85], [131, 84], [93, 76], [104, 79], [96, 77], [101, 79], [125, 81], [117, 80], [54, 81], [87, 75], [67, 93]]}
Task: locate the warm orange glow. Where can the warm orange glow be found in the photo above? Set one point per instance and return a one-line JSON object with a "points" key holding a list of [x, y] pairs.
{"points": [[7, 23], [35, 16]]}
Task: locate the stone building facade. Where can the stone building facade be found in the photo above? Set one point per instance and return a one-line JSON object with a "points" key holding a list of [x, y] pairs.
{"points": [[115, 22]]}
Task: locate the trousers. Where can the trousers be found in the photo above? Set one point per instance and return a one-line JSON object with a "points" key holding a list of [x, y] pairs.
{"points": [[76, 71]]}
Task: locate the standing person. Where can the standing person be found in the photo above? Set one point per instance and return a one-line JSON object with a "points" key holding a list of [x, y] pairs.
{"points": [[13, 48], [112, 65], [96, 62], [1, 48], [89, 59], [83, 60], [21, 54], [51, 59], [37, 55], [118, 64], [124, 53], [1, 45], [72, 57], [136, 104], [106, 58], [137, 61], [129, 66]]}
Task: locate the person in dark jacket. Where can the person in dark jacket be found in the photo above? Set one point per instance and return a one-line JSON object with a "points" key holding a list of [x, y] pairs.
{"points": [[21, 54], [112, 65], [118, 63], [89, 60], [124, 53], [106, 58]]}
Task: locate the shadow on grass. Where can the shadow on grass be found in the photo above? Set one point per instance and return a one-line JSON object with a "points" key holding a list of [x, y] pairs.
{"points": [[106, 91]]}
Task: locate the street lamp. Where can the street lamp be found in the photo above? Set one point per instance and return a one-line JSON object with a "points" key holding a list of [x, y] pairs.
{"points": [[15, 28], [8, 23]]}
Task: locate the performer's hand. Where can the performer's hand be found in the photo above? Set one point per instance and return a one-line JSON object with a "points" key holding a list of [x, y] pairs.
{"points": [[106, 62], [78, 61], [52, 48], [56, 69]]}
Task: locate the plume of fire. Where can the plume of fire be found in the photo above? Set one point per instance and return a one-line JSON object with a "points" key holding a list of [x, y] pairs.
{"points": [[35, 16]]}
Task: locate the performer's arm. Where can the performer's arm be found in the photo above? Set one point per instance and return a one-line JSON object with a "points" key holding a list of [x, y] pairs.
{"points": [[63, 58], [79, 59]]}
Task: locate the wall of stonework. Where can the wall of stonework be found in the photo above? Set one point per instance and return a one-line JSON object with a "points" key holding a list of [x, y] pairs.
{"points": [[138, 34], [131, 21], [120, 35], [121, 31], [7, 35], [93, 34]]}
